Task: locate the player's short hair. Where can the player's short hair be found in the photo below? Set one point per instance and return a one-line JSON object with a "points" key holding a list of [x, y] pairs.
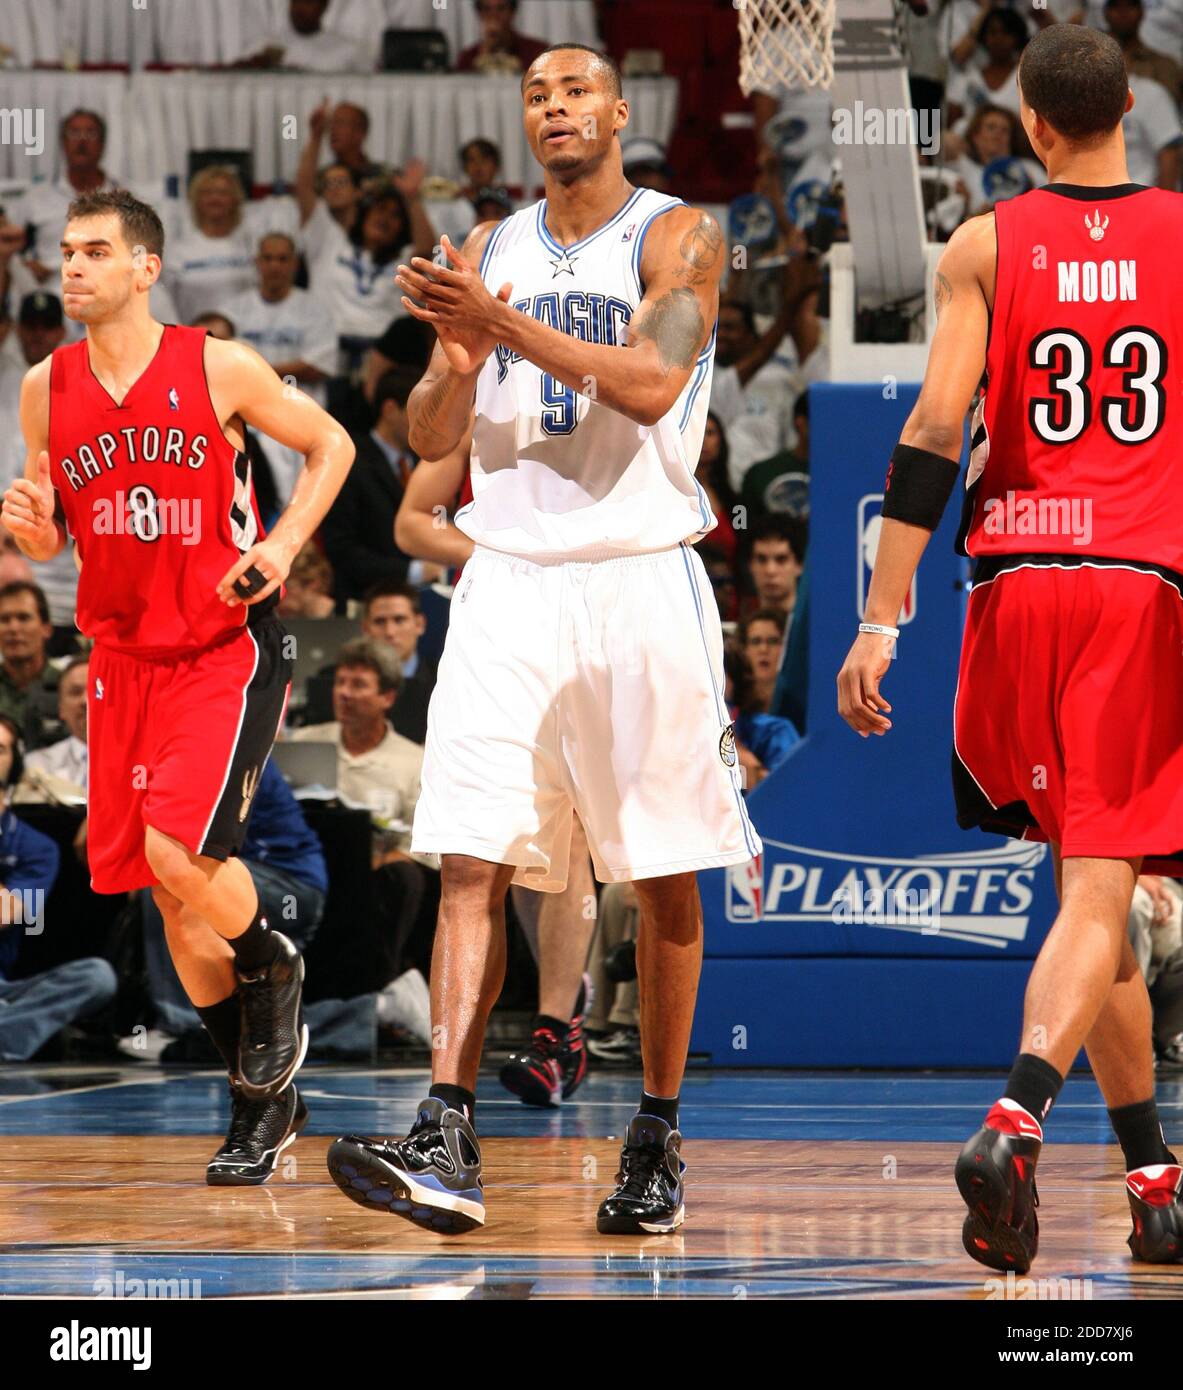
{"points": [[391, 588], [26, 586], [607, 64], [775, 526], [83, 111], [137, 221], [374, 656], [395, 385], [1075, 78]]}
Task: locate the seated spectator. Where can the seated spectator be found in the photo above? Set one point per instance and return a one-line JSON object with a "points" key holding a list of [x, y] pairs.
{"points": [[492, 205], [501, 48], [752, 389], [1152, 135], [776, 555], [1002, 38], [761, 640], [28, 680], [348, 127], [993, 133], [308, 589], [1156, 934], [34, 1009], [14, 564], [57, 772], [358, 531], [712, 476], [407, 342], [291, 329], [304, 44], [481, 161], [376, 767], [394, 614], [215, 260], [645, 164], [612, 1025], [781, 483], [1123, 19], [763, 741]]}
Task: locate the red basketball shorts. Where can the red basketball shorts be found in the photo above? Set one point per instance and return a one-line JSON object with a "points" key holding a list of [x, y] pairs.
{"points": [[179, 744], [1068, 723]]}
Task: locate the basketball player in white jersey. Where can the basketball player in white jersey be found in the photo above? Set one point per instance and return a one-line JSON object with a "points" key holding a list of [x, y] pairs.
{"points": [[584, 660]]}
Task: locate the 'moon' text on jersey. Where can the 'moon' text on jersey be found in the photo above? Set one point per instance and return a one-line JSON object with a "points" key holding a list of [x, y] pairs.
{"points": [[555, 474], [157, 498], [1075, 443]]}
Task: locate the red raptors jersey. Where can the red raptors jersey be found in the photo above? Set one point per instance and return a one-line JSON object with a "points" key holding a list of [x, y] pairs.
{"points": [[1076, 444], [158, 500]]}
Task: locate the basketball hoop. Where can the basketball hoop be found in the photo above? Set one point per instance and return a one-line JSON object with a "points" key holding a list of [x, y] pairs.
{"points": [[785, 43]]}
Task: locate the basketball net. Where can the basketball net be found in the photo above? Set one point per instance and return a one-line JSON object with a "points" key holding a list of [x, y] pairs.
{"points": [[785, 43]]}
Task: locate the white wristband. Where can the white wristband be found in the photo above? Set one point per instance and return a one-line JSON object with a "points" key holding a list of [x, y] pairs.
{"points": [[880, 628]]}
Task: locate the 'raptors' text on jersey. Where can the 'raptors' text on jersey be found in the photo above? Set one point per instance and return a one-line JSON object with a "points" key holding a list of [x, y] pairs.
{"points": [[157, 498], [1076, 441], [555, 474]]}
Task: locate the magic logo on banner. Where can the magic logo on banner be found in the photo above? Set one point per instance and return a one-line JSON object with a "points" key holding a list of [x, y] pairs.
{"points": [[980, 896]]}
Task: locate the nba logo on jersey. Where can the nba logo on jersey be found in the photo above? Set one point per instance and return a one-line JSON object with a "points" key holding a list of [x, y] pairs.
{"points": [[628, 232], [745, 891], [174, 401], [870, 523]]}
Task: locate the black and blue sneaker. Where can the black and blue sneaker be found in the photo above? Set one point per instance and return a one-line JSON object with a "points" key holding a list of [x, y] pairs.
{"points": [[648, 1199], [432, 1177]]}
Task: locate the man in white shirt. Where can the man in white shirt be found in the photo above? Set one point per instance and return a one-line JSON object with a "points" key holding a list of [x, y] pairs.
{"points": [[376, 767], [59, 771], [1152, 134], [304, 44], [756, 410]]}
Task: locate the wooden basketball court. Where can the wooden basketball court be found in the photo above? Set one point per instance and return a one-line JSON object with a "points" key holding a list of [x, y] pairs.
{"points": [[799, 1186]]}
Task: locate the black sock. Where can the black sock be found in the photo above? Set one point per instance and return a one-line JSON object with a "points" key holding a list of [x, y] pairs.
{"points": [[256, 947], [221, 1023], [455, 1098], [1140, 1134], [1034, 1084], [664, 1107], [556, 1026]]}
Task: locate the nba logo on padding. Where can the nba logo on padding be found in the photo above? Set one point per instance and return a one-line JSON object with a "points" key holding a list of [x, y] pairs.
{"points": [[870, 523]]}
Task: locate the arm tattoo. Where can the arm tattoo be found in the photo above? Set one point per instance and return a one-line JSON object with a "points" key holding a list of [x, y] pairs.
{"points": [[433, 404], [699, 250], [674, 322], [942, 292]]}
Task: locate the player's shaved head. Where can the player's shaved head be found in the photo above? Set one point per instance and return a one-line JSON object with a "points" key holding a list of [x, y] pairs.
{"points": [[604, 66], [1075, 79]]}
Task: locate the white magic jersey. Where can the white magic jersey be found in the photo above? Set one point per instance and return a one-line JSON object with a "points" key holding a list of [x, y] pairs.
{"points": [[555, 475]]}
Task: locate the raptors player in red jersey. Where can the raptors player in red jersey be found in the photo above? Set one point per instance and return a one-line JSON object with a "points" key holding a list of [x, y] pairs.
{"points": [[1068, 724], [134, 441]]}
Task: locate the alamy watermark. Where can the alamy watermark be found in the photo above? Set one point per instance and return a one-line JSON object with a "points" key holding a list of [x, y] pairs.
{"points": [[23, 125], [888, 125], [1040, 516]]}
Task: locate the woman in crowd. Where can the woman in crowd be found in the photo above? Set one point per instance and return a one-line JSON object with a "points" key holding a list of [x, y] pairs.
{"points": [[761, 637], [215, 259]]}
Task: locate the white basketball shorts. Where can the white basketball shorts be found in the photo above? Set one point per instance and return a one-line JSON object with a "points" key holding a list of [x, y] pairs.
{"points": [[595, 685]]}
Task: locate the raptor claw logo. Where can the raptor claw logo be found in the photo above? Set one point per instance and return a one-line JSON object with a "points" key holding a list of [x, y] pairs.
{"points": [[1096, 226], [250, 781]]}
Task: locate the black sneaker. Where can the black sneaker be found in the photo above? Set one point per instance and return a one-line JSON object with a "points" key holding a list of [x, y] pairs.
{"points": [[432, 1177], [995, 1175], [1154, 1193], [273, 1037], [649, 1191], [259, 1132], [551, 1068]]}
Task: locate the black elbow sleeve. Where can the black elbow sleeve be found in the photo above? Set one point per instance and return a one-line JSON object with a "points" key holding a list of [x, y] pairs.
{"points": [[918, 486]]}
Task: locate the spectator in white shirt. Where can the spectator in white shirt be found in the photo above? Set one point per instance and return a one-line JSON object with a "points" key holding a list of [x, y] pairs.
{"points": [[304, 44], [1152, 134], [992, 134], [83, 137], [59, 771], [287, 326], [1002, 36], [216, 259], [755, 406]]}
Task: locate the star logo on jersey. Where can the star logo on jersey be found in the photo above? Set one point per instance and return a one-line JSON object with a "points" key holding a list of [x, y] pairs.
{"points": [[250, 781], [565, 265], [1096, 226], [174, 401]]}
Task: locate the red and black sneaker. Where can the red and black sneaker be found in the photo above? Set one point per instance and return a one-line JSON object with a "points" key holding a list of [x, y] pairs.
{"points": [[1154, 1193], [552, 1067], [996, 1178]]}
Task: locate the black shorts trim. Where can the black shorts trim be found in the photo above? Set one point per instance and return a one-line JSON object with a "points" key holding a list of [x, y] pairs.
{"points": [[265, 699], [989, 567], [975, 811]]}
